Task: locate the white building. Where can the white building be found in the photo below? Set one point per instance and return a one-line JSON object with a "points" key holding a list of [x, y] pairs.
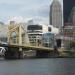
{"points": [[36, 31]]}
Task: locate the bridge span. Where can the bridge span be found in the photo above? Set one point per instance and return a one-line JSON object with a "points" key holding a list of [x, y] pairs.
{"points": [[19, 42], [16, 51], [28, 47]]}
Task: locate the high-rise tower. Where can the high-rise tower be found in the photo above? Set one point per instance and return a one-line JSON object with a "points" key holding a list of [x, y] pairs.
{"points": [[69, 11], [71, 18], [56, 14]]}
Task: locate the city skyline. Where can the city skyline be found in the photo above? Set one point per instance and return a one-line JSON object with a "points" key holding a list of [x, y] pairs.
{"points": [[24, 9]]}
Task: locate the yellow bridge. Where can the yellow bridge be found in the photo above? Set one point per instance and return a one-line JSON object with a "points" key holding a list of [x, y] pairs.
{"points": [[28, 47], [19, 42]]}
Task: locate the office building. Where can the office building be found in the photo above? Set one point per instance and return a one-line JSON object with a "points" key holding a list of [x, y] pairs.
{"points": [[68, 11], [56, 14], [36, 31], [48, 39], [71, 18]]}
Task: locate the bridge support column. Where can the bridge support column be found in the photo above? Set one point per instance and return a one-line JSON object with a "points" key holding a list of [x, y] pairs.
{"points": [[42, 54], [54, 53], [20, 53], [14, 53], [11, 53]]}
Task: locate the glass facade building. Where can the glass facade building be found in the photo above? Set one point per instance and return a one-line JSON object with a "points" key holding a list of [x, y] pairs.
{"points": [[68, 5], [48, 39]]}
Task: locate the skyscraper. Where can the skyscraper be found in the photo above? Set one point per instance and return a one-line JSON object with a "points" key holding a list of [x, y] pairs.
{"points": [[71, 18], [56, 14], [69, 21], [68, 10]]}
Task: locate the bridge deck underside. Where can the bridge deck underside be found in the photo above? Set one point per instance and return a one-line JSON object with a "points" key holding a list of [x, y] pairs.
{"points": [[31, 47]]}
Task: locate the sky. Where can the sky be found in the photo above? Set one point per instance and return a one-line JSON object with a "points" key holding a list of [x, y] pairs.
{"points": [[22, 10]]}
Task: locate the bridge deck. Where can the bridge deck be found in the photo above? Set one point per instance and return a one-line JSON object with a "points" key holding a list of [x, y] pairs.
{"points": [[32, 47], [28, 47]]}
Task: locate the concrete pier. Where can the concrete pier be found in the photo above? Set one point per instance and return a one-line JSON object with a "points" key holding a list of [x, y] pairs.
{"points": [[13, 53]]}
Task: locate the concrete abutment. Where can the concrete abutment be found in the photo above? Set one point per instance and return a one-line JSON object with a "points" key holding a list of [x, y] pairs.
{"points": [[13, 53]]}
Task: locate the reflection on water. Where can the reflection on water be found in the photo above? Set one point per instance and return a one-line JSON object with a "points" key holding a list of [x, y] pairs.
{"points": [[56, 66]]}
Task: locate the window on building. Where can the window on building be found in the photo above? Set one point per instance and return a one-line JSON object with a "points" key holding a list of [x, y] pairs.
{"points": [[34, 27], [49, 29]]}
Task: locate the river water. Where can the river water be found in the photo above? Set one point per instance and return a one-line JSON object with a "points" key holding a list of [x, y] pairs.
{"points": [[45, 66]]}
